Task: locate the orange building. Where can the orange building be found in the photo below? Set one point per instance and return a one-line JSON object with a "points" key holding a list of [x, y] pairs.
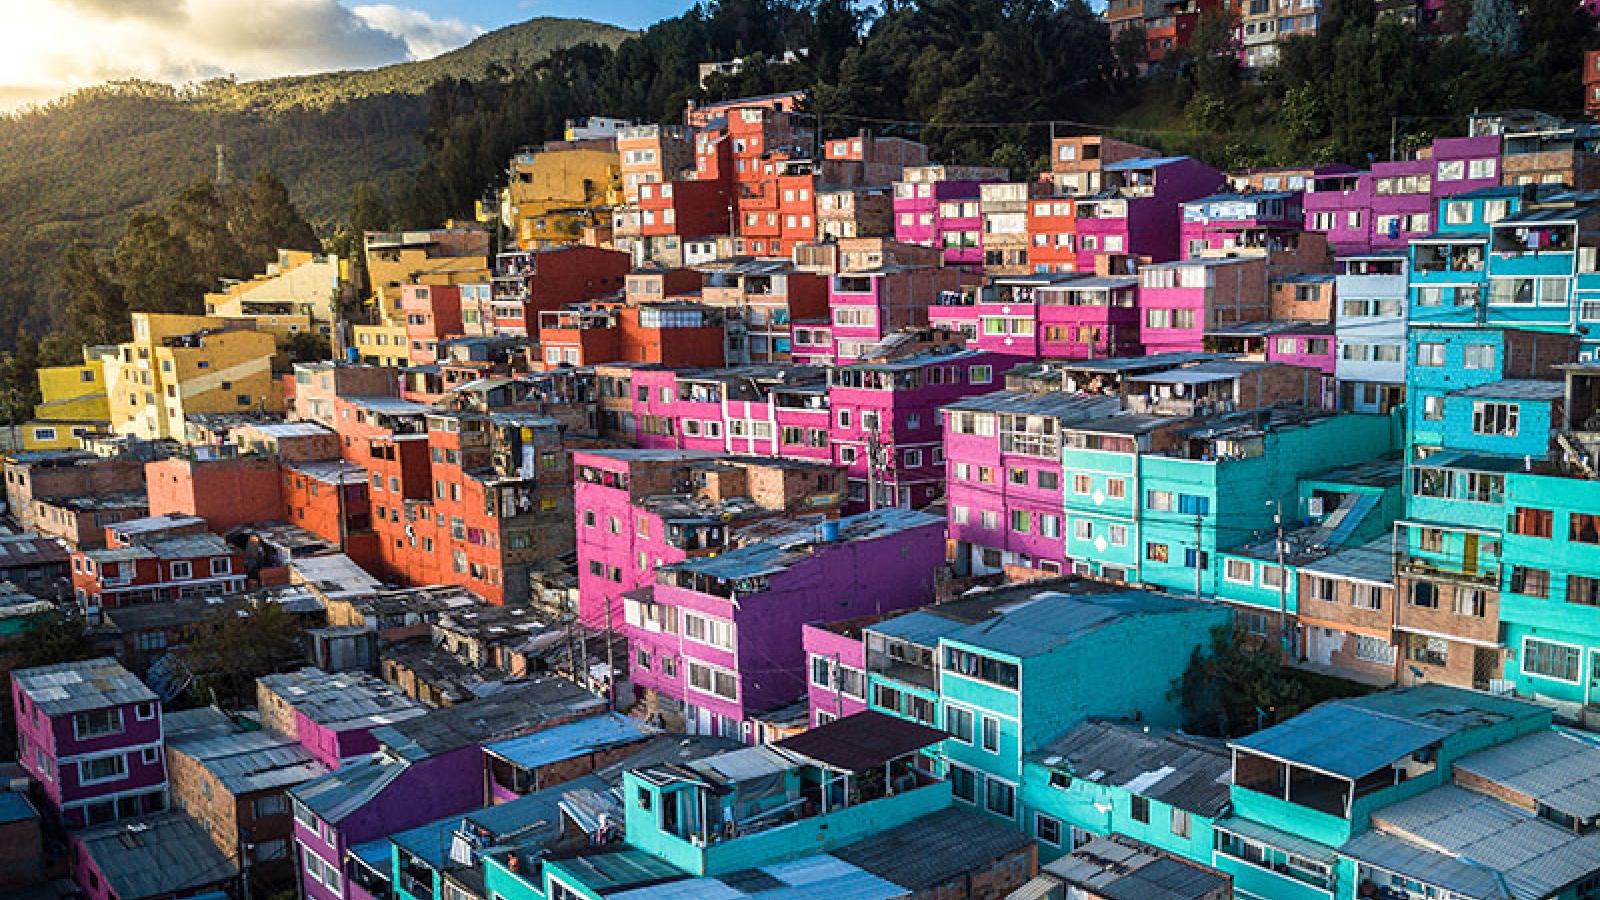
{"points": [[1052, 234], [225, 491]]}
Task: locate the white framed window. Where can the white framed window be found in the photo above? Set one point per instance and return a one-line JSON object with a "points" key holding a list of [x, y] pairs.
{"points": [[991, 734], [706, 630], [100, 769], [1239, 571], [712, 680], [1047, 829], [221, 565], [1548, 659], [958, 721], [96, 723]]}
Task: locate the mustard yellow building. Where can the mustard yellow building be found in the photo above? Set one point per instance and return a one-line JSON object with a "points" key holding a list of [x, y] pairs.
{"points": [[440, 256], [554, 195], [298, 293], [381, 345], [179, 365], [73, 402]]}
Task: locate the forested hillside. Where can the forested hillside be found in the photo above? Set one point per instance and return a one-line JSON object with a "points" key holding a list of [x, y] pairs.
{"points": [[78, 168]]}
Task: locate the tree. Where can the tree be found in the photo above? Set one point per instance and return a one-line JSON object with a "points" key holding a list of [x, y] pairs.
{"points": [[1235, 688], [307, 346], [264, 220], [1131, 49], [1494, 28], [57, 636], [154, 268], [96, 311], [228, 650], [200, 218], [19, 381]]}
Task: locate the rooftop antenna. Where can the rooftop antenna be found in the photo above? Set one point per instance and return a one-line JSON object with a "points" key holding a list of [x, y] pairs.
{"points": [[222, 165]]}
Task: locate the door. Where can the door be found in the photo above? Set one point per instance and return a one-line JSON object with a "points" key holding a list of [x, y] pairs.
{"points": [[1469, 554]]}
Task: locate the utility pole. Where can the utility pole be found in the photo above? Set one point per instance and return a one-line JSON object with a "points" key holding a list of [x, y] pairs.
{"points": [[1199, 571], [874, 447], [1394, 133], [1283, 579], [838, 688], [611, 667]]}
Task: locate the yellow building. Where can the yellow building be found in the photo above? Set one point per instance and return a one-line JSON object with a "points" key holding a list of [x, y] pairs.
{"points": [[381, 345], [440, 256], [298, 293], [179, 365], [555, 194], [73, 403]]}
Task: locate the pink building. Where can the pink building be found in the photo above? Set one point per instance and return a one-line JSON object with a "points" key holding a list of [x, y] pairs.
{"points": [[1180, 302], [750, 410], [867, 306], [641, 509], [836, 669], [1268, 220], [886, 424], [433, 313], [1138, 211], [719, 638], [1003, 457]]}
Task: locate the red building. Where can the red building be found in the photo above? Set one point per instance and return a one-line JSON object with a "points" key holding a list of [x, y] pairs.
{"points": [[330, 499], [224, 491], [676, 334], [527, 283], [433, 313], [169, 567], [1591, 83], [1052, 234]]}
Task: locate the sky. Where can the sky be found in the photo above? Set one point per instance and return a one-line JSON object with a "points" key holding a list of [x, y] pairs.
{"points": [[51, 47]]}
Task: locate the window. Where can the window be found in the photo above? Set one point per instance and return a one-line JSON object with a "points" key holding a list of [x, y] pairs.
{"points": [[182, 570], [1530, 522], [1584, 528], [983, 668], [1180, 822], [1430, 354], [1492, 418], [1082, 484], [1139, 808], [1583, 590], [221, 565], [1530, 582], [706, 630], [1425, 594], [1366, 596], [1047, 829], [1155, 552], [1000, 798], [149, 755], [1470, 602], [709, 680], [958, 721], [102, 768], [980, 374], [963, 784], [1239, 571], [1116, 488], [1550, 660], [991, 734], [1158, 501], [97, 723], [1020, 521], [270, 805], [1478, 356], [1049, 481], [144, 712]]}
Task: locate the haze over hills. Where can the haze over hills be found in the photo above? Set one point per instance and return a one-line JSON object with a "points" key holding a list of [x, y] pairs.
{"points": [[78, 167]]}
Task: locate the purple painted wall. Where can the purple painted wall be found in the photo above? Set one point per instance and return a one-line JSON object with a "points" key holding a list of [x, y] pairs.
{"points": [[44, 740]]}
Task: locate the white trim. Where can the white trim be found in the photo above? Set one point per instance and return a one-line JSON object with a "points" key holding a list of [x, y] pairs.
{"points": [[84, 781], [1449, 637], [122, 726], [1522, 657], [68, 760]]}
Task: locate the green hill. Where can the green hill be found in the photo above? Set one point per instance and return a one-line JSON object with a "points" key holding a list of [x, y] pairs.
{"points": [[77, 168]]}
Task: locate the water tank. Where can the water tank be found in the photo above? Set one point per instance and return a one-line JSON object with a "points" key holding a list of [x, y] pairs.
{"points": [[830, 530]]}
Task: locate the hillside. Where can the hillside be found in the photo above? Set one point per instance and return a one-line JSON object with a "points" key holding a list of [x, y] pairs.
{"points": [[79, 167]]}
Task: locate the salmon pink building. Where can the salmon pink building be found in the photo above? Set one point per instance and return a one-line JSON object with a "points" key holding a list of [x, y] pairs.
{"points": [[1179, 302]]}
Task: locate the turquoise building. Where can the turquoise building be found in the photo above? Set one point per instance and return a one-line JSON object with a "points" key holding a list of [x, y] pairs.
{"points": [[1008, 671]]}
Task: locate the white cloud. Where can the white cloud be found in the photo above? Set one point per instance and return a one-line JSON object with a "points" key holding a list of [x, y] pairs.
{"points": [[50, 47], [425, 36]]}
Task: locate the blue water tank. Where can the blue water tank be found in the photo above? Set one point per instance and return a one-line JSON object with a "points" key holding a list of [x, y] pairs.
{"points": [[830, 530]]}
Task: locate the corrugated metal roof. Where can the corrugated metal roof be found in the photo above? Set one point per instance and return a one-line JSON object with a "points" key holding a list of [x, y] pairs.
{"points": [[1515, 389], [156, 856], [1049, 619], [14, 807], [936, 848], [807, 877], [247, 761], [350, 787], [1536, 858], [922, 627], [1120, 868], [1060, 404], [78, 686], [1372, 563], [1400, 857], [1190, 773], [571, 740], [1283, 840], [768, 557], [1342, 739], [1555, 769], [1142, 162]]}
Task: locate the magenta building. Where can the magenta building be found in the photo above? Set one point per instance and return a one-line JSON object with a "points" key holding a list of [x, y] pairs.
{"points": [[1264, 220], [944, 214], [867, 306], [89, 736], [886, 425], [1179, 302], [1395, 202], [1005, 499], [1055, 316], [1139, 209], [836, 669], [720, 637]]}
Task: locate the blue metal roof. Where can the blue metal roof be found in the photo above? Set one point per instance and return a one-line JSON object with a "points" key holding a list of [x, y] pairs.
{"points": [[1050, 619], [1343, 739], [776, 555], [350, 787], [1142, 162], [923, 628], [14, 807], [573, 739]]}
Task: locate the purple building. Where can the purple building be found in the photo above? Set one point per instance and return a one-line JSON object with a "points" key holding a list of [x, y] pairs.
{"points": [[1270, 221], [89, 734], [728, 646], [426, 768], [1139, 208]]}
